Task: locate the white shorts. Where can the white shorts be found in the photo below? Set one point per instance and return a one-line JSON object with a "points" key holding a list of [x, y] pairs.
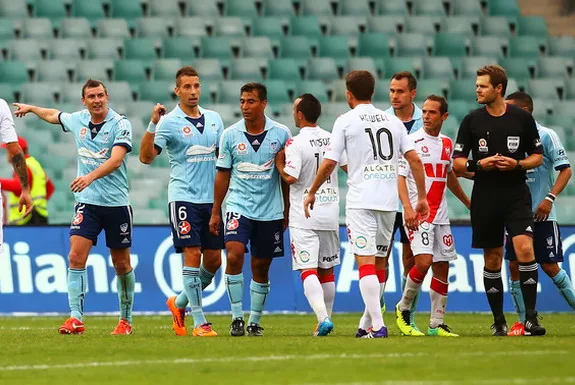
{"points": [[314, 248], [369, 231], [436, 240]]}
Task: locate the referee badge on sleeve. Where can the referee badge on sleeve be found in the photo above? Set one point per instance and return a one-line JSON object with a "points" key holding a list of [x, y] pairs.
{"points": [[512, 143]]}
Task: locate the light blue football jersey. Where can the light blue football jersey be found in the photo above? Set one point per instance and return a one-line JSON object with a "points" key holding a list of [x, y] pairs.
{"points": [[255, 189], [111, 190], [417, 118], [541, 179], [191, 147]]}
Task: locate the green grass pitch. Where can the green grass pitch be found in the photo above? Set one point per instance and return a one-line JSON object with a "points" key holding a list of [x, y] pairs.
{"points": [[32, 352]]}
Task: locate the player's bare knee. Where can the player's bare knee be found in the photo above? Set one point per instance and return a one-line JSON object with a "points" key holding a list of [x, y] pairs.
{"points": [[77, 260], [551, 269], [493, 261], [524, 252]]}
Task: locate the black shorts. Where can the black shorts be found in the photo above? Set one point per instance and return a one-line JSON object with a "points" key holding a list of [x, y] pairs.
{"points": [[398, 224], [546, 242], [497, 209], [190, 226], [90, 220], [266, 238]]}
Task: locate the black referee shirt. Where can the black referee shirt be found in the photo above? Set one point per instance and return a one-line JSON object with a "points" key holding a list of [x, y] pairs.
{"points": [[513, 134]]}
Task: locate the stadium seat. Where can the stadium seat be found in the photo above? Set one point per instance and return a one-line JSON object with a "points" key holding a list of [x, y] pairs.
{"points": [[389, 24], [392, 7], [323, 68], [13, 9], [114, 28], [305, 26], [464, 25], [209, 69], [203, 8], [105, 48], [7, 30], [295, 47], [423, 24], [132, 71], [277, 92], [495, 26], [315, 87], [157, 90], [179, 48], [67, 49], [462, 89], [316, 7], [120, 92], [525, 46], [532, 26], [437, 68], [336, 47], [257, 47], [348, 25], [101, 69], [241, 8], [488, 46], [546, 88], [192, 26], [429, 7], [413, 44], [92, 10], [247, 68], [271, 27], [450, 44], [355, 7], [561, 120], [43, 94], [231, 26], [218, 47], [53, 9], [375, 45], [570, 89], [7, 93], [554, 66], [381, 93], [283, 69], [143, 48], [466, 7], [362, 63], [54, 71], [470, 65], [519, 68], [78, 27], [167, 8], [458, 108], [561, 45], [507, 8], [392, 65], [153, 27], [166, 69], [430, 86], [278, 8], [25, 50], [128, 9], [230, 92], [37, 28], [13, 72]]}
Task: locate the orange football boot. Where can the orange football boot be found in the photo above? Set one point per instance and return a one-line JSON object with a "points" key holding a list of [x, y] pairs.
{"points": [[178, 315], [123, 327], [72, 326]]}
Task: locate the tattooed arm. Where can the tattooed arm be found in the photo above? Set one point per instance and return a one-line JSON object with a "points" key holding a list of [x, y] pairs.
{"points": [[19, 164]]}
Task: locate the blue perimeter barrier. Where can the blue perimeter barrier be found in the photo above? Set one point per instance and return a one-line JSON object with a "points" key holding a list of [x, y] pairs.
{"points": [[33, 270]]}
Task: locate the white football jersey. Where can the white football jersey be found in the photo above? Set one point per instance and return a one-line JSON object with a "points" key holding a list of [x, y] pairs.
{"points": [[373, 141], [304, 154], [7, 131], [435, 153]]}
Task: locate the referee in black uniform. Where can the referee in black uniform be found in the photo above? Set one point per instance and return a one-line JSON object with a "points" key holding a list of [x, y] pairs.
{"points": [[504, 142]]}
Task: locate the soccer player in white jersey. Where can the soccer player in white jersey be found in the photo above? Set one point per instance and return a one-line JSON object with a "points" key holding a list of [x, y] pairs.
{"points": [[431, 242], [314, 241], [16, 157], [256, 204], [373, 141], [190, 135], [544, 187], [103, 138]]}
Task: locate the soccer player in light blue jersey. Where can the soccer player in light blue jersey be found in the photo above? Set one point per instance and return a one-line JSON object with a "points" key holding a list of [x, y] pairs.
{"points": [[103, 138], [544, 188], [257, 203], [190, 135]]}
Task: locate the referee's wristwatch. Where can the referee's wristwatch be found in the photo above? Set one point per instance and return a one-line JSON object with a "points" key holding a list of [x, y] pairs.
{"points": [[518, 166]]}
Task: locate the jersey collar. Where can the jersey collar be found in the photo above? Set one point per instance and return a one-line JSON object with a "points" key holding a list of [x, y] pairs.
{"points": [[180, 113], [417, 113], [111, 114], [269, 124]]}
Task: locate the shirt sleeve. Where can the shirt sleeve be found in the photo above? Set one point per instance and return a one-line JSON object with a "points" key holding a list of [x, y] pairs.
{"points": [[533, 142], [293, 159], [556, 152], [224, 161], [220, 124], [337, 141], [7, 131], [343, 159], [463, 142], [66, 120], [403, 166], [123, 134], [406, 143], [162, 136]]}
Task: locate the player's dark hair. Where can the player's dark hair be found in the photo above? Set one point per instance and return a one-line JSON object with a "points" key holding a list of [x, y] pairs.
{"points": [[258, 87], [496, 74], [411, 80], [92, 83], [443, 106], [310, 107], [185, 71], [361, 84], [522, 99]]}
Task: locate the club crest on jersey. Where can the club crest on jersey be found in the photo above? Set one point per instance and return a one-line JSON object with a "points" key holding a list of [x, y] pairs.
{"points": [[105, 136], [242, 148], [184, 227], [549, 242], [124, 227], [83, 132], [424, 149], [187, 130], [483, 145], [274, 146], [277, 236], [448, 240], [78, 218], [232, 224], [214, 128], [512, 143]]}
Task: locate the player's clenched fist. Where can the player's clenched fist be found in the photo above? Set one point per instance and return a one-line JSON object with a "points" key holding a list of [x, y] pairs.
{"points": [[158, 111], [22, 109]]}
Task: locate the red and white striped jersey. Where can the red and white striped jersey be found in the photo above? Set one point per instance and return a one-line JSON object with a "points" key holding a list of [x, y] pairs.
{"points": [[435, 153]]}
